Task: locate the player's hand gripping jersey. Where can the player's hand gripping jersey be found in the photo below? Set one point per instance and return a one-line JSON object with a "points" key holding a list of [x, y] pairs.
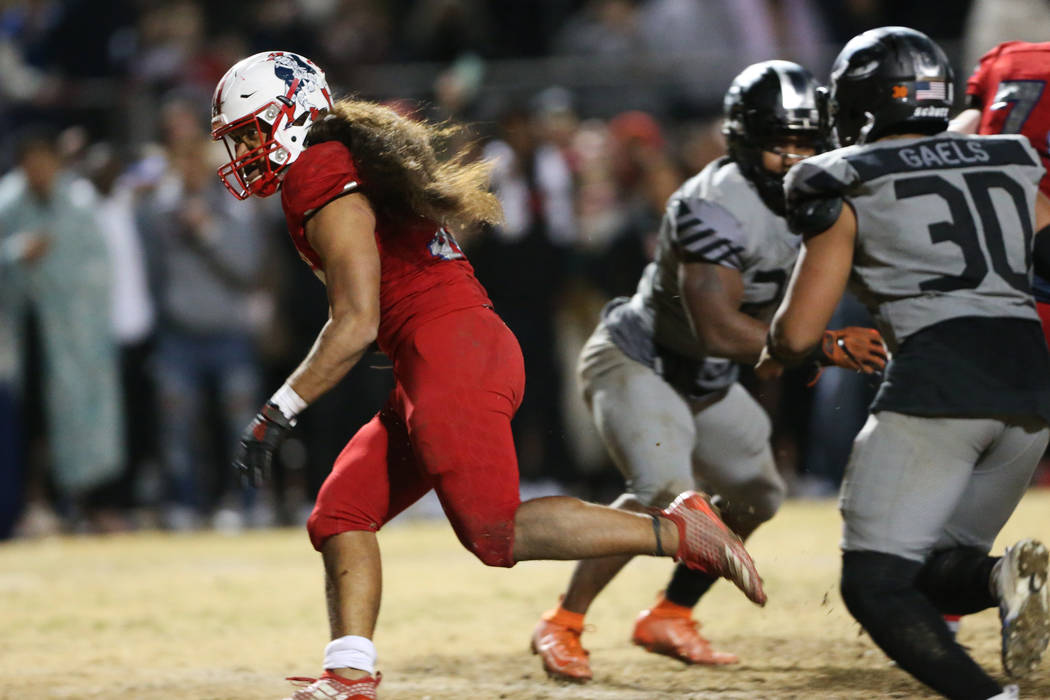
{"points": [[1009, 87], [424, 272], [942, 261], [716, 217]]}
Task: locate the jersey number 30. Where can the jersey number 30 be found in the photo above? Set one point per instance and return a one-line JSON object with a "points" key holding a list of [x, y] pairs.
{"points": [[962, 229]]}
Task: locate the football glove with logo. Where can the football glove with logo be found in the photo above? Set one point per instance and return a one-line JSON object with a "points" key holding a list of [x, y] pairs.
{"points": [[254, 454], [853, 347]]}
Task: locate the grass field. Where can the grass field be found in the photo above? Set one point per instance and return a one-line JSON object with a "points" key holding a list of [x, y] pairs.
{"points": [[170, 617]]}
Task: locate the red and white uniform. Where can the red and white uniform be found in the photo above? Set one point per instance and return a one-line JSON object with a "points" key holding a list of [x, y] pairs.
{"points": [[1010, 85], [459, 371]]}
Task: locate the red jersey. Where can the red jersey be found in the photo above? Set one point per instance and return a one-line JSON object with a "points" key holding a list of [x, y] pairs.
{"points": [[424, 274], [1010, 86]]}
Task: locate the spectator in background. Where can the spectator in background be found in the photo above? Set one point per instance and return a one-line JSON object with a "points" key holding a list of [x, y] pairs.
{"points": [[522, 264], [11, 496], [59, 271], [132, 313], [644, 177], [607, 33], [206, 257], [443, 30], [750, 29], [991, 22]]}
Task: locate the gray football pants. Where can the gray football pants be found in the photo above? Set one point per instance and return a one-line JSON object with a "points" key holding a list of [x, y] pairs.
{"points": [[915, 485], [664, 444]]}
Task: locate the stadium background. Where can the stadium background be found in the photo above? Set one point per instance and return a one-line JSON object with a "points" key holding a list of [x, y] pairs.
{"points": [[605, 106], [625, 96]]}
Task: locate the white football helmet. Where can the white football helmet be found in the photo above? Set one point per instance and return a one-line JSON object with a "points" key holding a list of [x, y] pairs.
{"points": [[281, 94]]}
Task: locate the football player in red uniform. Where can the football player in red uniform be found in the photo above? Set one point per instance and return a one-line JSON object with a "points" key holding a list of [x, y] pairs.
{"points": [[1007, 94], [370, 207]]}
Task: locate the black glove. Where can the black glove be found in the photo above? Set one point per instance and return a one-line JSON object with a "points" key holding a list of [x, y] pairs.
{"points": [[260, 440]]}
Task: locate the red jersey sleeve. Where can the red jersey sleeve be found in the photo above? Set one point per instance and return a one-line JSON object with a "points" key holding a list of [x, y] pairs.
{"points": [[977, 87], [322, 172]]}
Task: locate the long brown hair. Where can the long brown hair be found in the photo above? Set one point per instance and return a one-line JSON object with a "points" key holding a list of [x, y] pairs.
{"points": [[404, 169]]}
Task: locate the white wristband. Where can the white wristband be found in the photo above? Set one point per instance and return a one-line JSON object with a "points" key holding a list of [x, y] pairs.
{"points": [[290, 403]]}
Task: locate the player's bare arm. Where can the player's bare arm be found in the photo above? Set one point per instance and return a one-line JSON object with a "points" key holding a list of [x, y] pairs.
{"points": [[966, 122], [343, 234], [712, 295], [817, 284]]}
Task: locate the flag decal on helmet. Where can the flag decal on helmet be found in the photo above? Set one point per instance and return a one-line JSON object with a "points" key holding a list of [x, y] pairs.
{"points": [[930, 90]]}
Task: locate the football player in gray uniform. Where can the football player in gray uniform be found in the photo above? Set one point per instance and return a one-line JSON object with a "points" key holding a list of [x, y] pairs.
{"points": [[659, 373], [935, 232]]}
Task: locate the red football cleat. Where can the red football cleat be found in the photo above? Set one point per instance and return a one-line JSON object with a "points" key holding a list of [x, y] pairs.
{"points": [[705, 543], [332, 687], [559, 647]]}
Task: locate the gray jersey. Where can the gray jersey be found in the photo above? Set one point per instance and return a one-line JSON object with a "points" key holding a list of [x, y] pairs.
{"points": [[944, 225], [716, 217]]}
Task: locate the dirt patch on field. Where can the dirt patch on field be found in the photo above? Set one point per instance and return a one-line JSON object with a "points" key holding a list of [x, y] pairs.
{"points": [[207, 617]]}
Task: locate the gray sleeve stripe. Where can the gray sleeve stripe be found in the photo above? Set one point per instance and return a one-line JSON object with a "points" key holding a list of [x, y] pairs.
{"points": [[687, 221], [686, 241], [736, 261], [720, 253], [711, 247]]}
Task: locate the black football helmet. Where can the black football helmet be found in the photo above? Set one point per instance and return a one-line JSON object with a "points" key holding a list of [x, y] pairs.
{"points": [[768, 104], [890, 80]]}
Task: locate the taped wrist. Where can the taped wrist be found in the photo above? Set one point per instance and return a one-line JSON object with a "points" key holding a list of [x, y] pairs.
{"points": [[820, 355], [288, 401]]}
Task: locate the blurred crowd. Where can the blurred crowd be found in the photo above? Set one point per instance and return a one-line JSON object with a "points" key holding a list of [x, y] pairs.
{"points": [[144, 313]]}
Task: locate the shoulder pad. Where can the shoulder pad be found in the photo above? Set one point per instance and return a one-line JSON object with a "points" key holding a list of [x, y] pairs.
{"points": [[813, 215]]}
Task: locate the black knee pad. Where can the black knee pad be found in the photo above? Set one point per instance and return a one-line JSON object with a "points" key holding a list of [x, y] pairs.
{"points": [[871, 580], [956, 580]]}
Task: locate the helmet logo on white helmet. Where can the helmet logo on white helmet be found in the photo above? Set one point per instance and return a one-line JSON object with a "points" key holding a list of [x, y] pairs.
{"points": [[302, 81], [261, 110]]}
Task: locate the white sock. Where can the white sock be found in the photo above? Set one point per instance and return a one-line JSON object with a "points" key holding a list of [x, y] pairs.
{"points": [[351, 652]]}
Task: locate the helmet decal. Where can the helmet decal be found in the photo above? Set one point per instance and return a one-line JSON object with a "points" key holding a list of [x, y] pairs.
{"points": [[795, 91], [890, 80], [262, 110], [302, 81]]}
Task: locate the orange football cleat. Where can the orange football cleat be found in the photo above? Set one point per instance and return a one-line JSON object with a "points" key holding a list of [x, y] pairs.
{"points": [[677, 634], [332, 687], [559, 647], [705, 543]]}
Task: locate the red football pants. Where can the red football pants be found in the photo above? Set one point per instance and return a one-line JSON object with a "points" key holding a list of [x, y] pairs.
{"points": [[446, 426]]}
